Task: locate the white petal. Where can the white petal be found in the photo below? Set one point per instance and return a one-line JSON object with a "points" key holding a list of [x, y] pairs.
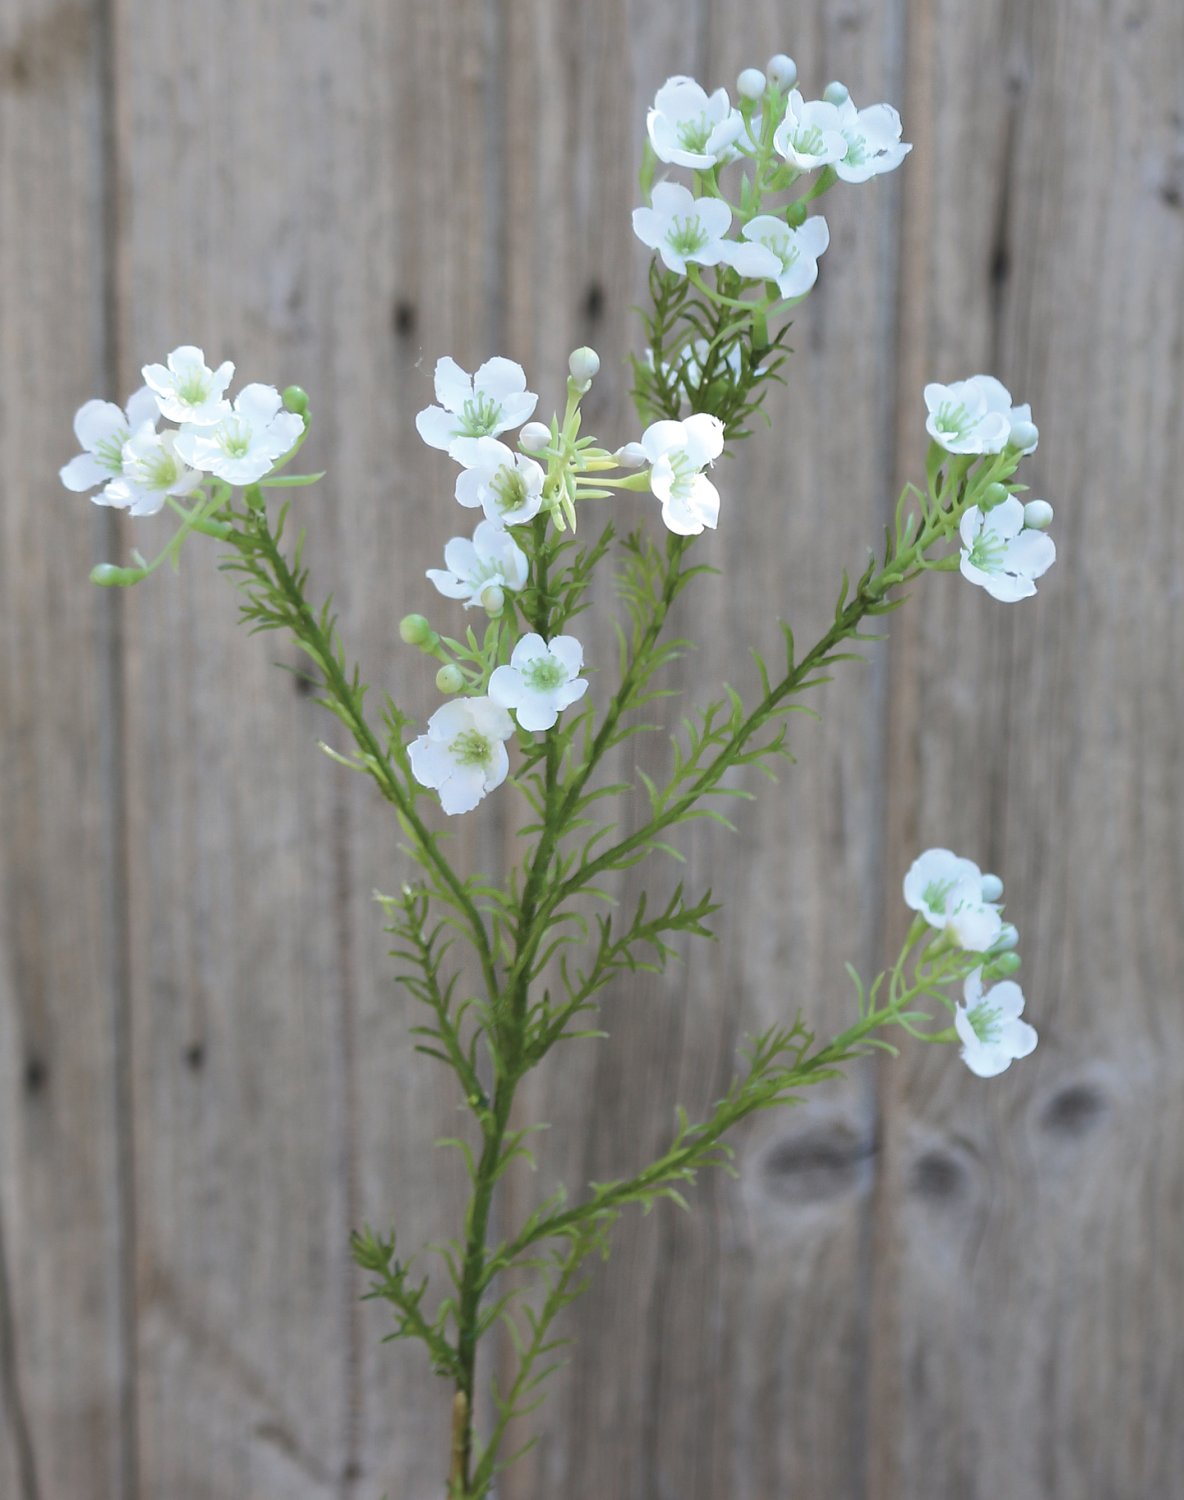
{"points": [[500, 378], [1019, 1038], [258, 404], [1032, 553], [1008, 999], [568, 651], [431, 763], [489, 718], [536, 711], [83, 473], [505, 686], [436, 426], [530, 648], [661, 437], [463, 789], [453, 386], [753, 261], [98, 421], [142, 407], [449, 585]]}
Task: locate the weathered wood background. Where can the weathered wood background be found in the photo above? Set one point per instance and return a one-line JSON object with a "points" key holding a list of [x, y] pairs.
{"points": [[921, 1286]]}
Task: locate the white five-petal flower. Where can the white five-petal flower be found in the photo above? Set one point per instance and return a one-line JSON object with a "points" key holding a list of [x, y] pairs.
{"points": [[772, 251], [951, 894], [963, 419], [492, 561], [873, 141], [1000, 554], [690, 128], [541, 680], [245, 443], [152, 470], [998, 399], [493, 400], [683, 228], [810, 135], [463, 754], [679, 452], [988, 1024], [186, 389], [507, 486], [102, 428]]}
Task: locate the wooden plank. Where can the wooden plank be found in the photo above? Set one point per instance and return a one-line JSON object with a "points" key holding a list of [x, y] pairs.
{"points": [[287, 210], [1028, 1278], [721, 1353], [63, 1364]]}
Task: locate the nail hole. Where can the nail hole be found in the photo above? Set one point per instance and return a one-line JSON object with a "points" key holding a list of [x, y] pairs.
{"points": [[304, 684], [1000, 265], [404, 317], [1170, 194], [594, 302], [938, 1176], [195, 1056], [817, 1167], [352, 1470], [1074, 1111], [36, 1075]]}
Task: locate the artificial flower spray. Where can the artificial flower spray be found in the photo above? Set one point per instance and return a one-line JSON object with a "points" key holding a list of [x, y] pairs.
{"points": [[506, 965]]}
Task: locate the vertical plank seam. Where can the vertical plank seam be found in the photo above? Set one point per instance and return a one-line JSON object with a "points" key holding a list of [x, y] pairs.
{"points": [[10, 1386], [113, 739]]}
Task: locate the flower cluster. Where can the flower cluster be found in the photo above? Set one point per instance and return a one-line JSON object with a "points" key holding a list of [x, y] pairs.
{"points": [[953, 896], [139, 467], [777, 137]]}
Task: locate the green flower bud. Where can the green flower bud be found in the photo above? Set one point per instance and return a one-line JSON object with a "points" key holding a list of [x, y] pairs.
{"points": [[795, 215], [1002, 967], [994, 494], [415, 630], [295, 399], [1024, 436], [450, 679], [493, 600], [836, 93]]}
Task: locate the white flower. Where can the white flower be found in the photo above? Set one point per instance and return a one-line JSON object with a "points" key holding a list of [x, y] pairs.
{"points": [[873, 141], [473, 406], [962, 418], [508, 486], [992, 1033], [491, 561], [541, 680], [679, 452], [102, 429], [810, 135], [463, 754], [152, 469], [1000, 554], [689, 128], [245, 443], [950, 893], [186, 389], [682, 228], [772, 251]]}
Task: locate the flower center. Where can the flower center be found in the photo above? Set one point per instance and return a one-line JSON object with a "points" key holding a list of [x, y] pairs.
{"points": [[110, 451], [953, 419], [157, 469], [509, 487], [856, 149], [807, 140], [683, 471], [479, 416], [193, 387], [235, 439], [934, 895], [694, 133], [984, 1019], [783, 248], [544, 674], [987, 552], [686, 236], [471, 748]]}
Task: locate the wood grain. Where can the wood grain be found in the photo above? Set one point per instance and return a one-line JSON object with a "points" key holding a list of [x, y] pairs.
{"points": [[917, 1285]]}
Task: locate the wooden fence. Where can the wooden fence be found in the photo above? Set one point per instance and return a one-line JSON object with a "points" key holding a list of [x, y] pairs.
{"points": [[918, 1287]]}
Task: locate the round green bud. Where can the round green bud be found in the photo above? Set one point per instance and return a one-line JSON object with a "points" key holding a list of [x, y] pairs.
{"points": [[534, 437], [450, 679], [493, 600], [295, 399], [836, 93], [994, 494], [1003, 966], [782, 71], [415, 630], [583, 365], [1024, 436], [750, 84], [1038, 515], [795, 215]]}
